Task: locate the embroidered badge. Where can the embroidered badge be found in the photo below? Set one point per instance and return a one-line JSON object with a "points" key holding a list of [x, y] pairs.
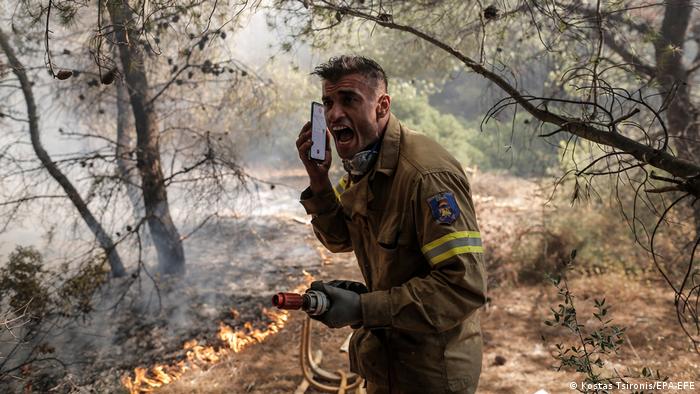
{"points": [[444, 207]]}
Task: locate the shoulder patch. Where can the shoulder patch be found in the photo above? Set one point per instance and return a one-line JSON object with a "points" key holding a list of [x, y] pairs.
{"points": [[444, 207]]}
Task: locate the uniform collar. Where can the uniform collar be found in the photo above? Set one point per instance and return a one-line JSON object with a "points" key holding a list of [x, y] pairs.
{"points": [[389, 151]]}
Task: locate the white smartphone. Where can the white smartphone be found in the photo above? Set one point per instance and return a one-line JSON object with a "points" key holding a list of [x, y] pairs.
{"points": [[318, 132]]}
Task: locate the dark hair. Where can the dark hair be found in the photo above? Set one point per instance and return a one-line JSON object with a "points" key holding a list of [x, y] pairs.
{"points": [[338, 67]]}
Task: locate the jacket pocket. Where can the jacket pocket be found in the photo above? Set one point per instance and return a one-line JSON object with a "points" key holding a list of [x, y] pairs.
{"points": [[419, 361], [368, 356], [382, 233], [463, 355], [388, 231]]}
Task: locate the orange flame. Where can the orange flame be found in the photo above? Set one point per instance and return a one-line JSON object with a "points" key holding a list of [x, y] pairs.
{"points": [[146, 380]]}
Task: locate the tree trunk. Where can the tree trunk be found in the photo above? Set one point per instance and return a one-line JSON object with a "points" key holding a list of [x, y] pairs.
{"points": [[115, 262], [171, 256], [681, 116], [125, 150]]}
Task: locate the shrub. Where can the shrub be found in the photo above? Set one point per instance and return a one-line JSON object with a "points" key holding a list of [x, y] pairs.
{"points": [[23, 282], [494, 145]]}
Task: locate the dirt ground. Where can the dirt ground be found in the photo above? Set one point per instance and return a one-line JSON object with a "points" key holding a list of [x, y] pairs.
{"points": [[518, 346], [512, 326]]}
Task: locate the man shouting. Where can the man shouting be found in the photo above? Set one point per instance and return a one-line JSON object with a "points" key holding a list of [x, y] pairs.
{"points": [[404, 207]]}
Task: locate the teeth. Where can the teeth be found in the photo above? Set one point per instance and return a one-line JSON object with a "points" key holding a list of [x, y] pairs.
{"points": [[336, 128]]}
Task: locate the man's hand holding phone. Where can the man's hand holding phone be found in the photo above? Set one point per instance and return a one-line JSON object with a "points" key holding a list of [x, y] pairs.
{"points": [[317, 169]]}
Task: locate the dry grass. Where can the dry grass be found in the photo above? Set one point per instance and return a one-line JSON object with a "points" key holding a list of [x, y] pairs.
{"points": [[512, 323], [512, 327]]}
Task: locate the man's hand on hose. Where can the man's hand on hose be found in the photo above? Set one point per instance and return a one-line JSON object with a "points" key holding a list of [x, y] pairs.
{"points": [[345, 306], [351, 285]]}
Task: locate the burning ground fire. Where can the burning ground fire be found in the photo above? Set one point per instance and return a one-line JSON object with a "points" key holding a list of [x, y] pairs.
{"points": [[146, 380]]}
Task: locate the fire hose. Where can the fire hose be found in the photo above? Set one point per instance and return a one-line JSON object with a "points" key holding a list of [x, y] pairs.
{"points": [[315, 303], [312, 302]]}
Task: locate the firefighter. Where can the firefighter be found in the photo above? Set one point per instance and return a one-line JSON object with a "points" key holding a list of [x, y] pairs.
{"points": [[405, 209]]}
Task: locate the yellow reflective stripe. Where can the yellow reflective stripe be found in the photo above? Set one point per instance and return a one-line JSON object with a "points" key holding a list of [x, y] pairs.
{"points": [[340, 187], [452, 244], [337, 193], [456, 251], [449, 237]]}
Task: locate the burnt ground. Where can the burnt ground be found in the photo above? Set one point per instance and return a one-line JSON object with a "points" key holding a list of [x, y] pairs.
{"points": [[518, 346], [512, 326]]}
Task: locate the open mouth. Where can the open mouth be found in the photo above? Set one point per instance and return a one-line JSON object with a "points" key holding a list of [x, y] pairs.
{"points": [[343, 134]]}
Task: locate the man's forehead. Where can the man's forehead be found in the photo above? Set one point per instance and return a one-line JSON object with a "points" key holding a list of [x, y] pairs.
{"points": [[348, 82]]}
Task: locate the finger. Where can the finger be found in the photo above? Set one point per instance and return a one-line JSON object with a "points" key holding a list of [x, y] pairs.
{"points": [[335, 283], [357, 287], [326, 163], [306, 127], [344, 284], [304, 151], [322, 319], [340, 284], [328, 143], [305, 146], [303, 137], [332, 292], [316, 285], [314, 317], [307, 143], [304, 134], [329, 154]]}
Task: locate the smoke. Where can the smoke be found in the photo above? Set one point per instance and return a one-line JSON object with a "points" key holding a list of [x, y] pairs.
{"points": [[235, 262], [244, 239]]}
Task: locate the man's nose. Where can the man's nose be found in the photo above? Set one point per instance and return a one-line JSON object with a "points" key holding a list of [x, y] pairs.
{"points": [[334, 114]]}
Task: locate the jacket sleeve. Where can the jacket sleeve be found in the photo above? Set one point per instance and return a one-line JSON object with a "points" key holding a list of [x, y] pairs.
{"points": [[327, 218], [448, 234]]}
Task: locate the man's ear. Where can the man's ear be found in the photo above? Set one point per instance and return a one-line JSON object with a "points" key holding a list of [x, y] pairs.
{"points": [[383, 106]]}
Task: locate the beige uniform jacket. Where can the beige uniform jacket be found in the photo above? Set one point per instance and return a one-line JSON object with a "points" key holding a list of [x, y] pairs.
{"points": [[411, 223]]}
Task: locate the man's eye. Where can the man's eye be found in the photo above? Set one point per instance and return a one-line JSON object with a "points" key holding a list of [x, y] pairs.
{"points": [[347, 100]]}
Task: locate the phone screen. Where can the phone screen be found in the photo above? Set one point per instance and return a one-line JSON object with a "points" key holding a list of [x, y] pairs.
{"points": [[318, 132]]}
